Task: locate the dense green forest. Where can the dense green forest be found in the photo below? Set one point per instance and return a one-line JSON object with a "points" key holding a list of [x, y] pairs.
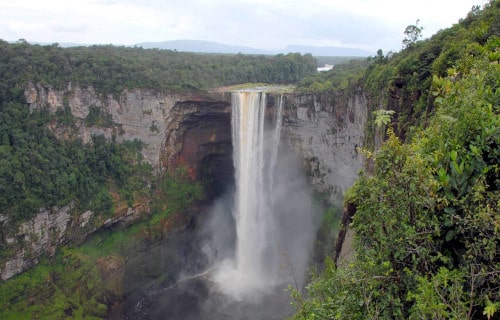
{"points": [[427, 220], [110, 69], [340, 77], [38, 170]]}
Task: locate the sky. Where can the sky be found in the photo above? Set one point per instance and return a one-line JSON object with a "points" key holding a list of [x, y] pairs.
{"points": [[261, 24]]}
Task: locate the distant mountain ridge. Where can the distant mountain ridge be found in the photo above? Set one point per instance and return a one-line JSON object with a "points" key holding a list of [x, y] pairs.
{"points": [[215, 47], [203, 46]]}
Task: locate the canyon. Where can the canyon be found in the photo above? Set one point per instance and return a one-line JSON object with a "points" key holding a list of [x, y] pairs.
{"points": [[192, 130]]}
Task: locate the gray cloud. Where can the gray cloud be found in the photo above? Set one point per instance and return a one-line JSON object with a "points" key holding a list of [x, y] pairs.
{"points": [[366, 24]]}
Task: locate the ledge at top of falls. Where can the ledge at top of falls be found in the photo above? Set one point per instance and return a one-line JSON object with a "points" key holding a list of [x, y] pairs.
{"points": [[255, 87]]}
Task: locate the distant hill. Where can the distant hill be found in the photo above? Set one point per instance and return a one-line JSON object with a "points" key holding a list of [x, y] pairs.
{"points": [[201, 46], [215, 47]]}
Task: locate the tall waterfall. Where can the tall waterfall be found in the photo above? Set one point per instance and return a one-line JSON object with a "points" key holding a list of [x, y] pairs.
{"points": [[272, 207], [255, 155]]}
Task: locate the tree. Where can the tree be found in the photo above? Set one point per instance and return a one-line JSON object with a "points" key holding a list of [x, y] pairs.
{"points": [[413, 32]]}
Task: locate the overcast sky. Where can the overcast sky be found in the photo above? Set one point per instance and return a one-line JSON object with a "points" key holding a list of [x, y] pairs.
{"points": [[262, 24]]}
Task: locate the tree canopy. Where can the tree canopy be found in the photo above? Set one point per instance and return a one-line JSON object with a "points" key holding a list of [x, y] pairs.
{"points": [[110, 69], [427, 232]]}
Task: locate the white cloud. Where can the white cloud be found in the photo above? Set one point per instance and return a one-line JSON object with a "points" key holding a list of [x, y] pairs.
{"points": [[368, 24]]}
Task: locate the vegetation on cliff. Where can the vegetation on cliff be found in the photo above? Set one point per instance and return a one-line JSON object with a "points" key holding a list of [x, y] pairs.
{"points": [[341, 77], [68, 287], [82, 282], [427, 213], [37, 170]]}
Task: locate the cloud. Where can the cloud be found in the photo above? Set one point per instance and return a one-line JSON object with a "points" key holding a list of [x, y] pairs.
{"points": [[266, 24]]}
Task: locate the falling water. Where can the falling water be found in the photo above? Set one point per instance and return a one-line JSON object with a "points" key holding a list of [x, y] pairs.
{"points": [[255, 156], [258, 239]]}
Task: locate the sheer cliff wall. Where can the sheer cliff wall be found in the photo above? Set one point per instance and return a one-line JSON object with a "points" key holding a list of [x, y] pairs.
{"points": [[192, 130], [327, 130]]}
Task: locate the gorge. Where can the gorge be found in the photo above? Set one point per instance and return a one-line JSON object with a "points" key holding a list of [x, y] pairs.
{"points": [[121, 180], [263, 244], [194, 131]]}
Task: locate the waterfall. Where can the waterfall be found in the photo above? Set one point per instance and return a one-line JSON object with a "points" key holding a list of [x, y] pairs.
{"points": [[255, 156]]}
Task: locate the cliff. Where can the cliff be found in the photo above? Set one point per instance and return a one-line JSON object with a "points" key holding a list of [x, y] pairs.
{"points": [[327, 130], [192, 130]]}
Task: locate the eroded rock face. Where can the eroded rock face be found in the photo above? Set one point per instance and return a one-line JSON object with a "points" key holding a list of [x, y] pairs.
{"points": [[189, 130], [327, 131], [134, 114], [40, 235], [198, 137]]}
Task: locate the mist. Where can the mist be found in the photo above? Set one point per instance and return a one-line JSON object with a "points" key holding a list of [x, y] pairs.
{"points": [[256, 240], [261, 234], [295, 221]]}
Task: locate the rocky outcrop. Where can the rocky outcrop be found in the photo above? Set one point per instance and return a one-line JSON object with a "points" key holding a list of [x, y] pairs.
{"points": [[40, 235], [344, 251], [327, 131], [134, 114], [51, 227]]}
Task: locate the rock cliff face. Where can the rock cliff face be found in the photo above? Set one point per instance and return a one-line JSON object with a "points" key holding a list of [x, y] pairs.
{"points": [[135, 114], [327, 131], [189, 130], [42, 234], [198, 136]]}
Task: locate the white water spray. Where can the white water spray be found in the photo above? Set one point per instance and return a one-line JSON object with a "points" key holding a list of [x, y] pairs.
{"points": [[255, 154], [272, 211], [255, 157]]}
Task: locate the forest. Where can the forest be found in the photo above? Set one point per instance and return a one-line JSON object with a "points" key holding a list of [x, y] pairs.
{"points": [[110, 69], [426, 224]]}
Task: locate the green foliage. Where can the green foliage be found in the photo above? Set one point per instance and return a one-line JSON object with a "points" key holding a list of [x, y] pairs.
{"points": [[67, 287], [355, 291], [413, 32], [339, 78], [111, 69], [383, 117], [38, 170], [427, 220], [154, 128], [175, 192], [118, 242], [440, 297], [97, 117], [63, 116], [491, 309]]}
